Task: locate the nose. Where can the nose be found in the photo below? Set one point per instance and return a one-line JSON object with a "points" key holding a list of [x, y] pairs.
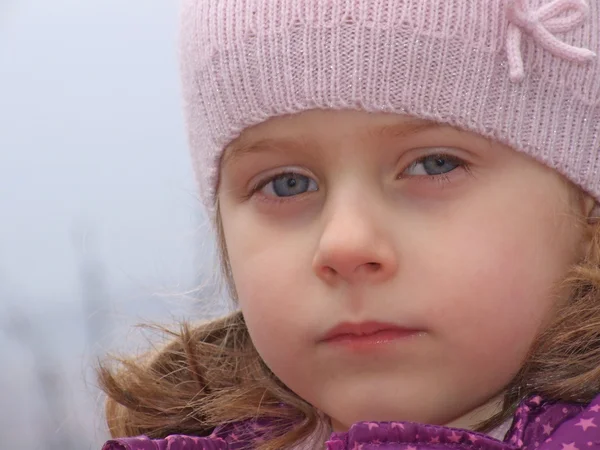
{"points": [[355, 246]]}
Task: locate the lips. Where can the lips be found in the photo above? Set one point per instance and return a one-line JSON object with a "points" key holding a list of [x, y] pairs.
{"points": [[366, 333]]}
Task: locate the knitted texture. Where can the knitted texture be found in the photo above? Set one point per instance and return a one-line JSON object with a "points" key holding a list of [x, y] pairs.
{"points": [[523, 72]]}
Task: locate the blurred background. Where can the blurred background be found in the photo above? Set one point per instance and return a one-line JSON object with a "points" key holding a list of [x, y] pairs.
{"points": [[100, 225]]}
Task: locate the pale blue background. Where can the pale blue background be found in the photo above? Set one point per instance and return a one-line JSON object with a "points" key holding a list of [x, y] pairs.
{"points": [[99, 221]]}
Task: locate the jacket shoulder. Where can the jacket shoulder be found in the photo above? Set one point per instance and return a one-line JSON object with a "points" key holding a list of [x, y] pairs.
{"points": [[174, 442]]}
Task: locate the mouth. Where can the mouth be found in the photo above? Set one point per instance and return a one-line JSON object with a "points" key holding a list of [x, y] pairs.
{"points": [[366, 335]]}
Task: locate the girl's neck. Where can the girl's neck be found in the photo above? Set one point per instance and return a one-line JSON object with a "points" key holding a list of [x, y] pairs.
{"points": [[473, 418], [468, 421]]}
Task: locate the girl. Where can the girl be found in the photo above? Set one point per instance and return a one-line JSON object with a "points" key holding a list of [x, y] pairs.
{"points": [[404, 193]]}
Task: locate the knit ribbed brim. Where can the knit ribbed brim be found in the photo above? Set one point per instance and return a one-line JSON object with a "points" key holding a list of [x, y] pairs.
{"points": [[451, 61]]}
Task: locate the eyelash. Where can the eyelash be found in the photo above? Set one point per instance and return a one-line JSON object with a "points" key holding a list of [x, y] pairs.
{"points": [[259, 185], [441, 179]]}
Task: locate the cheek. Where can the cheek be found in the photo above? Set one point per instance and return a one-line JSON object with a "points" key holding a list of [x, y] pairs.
{"points": [[275, 314], [270, 282], [498, 278]]}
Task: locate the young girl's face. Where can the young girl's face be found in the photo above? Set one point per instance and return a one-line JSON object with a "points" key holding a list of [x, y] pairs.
{"points": [[450, 243]]}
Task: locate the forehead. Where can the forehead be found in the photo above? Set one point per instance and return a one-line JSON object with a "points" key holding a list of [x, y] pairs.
{"points": [[315, 128]]}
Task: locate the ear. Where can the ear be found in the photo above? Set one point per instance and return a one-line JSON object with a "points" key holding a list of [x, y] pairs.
{"points": [[591, 209]]}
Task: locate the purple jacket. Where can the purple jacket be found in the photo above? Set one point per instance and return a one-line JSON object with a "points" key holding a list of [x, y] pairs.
{"points": [[537, 425]]}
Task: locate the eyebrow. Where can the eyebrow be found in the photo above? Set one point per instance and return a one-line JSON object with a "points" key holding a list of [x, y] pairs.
{"points": [[393, 131], [280, 145]]}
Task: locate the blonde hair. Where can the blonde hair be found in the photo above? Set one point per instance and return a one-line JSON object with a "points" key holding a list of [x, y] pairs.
{"points": [[211, 374]]}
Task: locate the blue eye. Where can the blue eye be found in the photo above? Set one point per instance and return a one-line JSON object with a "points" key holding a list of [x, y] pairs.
{"points": [[433, 165], [288, 185]]}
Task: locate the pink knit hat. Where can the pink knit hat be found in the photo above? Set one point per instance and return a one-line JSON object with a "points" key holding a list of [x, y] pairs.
{"points": [[523, 72]]}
